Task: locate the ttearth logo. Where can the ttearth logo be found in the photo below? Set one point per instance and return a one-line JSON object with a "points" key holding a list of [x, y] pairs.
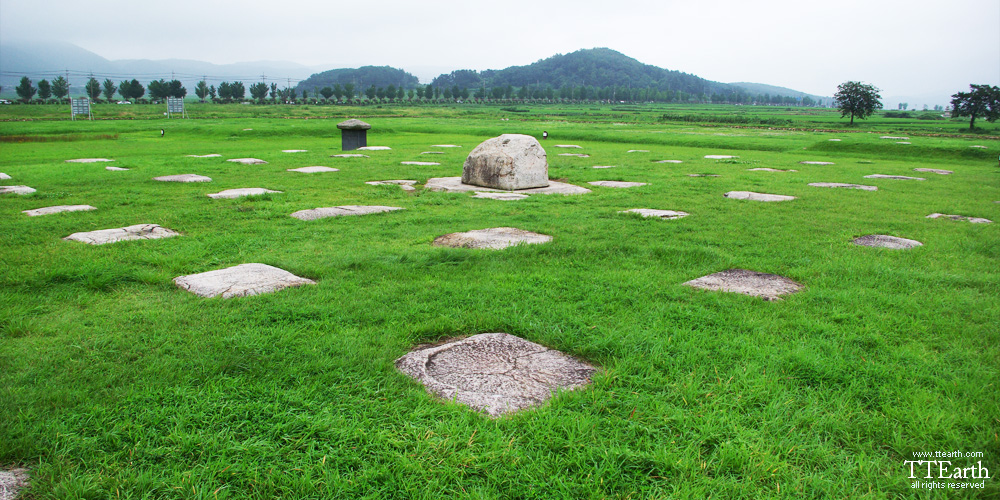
{"points": [[947, 470]]}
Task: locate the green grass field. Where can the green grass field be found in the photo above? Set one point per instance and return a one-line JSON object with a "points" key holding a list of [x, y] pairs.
{"points": [[114, 383]]}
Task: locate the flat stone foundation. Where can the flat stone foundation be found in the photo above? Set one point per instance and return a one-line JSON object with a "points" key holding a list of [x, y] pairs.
{"points": [[494, 373], [58, 209], [238, 193], [243, 280], [750, 195], [500, 196], [763, 285], [896, 177], [661, 214], [495, 238], [974, 220], [312, 170], [16, 190], [886, 241], [618, 184], [183, 178], [248, 161], [136, 232], [934, 171], [406, 185], [842, 185], [324, 212], [454, 184], [88, 160]]}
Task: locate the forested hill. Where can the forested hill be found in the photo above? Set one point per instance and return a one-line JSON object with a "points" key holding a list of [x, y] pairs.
{"points": [[361, 78], [598, 68]]}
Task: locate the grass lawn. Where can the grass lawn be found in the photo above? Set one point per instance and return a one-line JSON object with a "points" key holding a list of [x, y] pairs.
{"points": [[114, 383]]}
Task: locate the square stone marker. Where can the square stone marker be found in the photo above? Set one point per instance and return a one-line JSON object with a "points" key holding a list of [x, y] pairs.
{"points": [[763, 285], [136, 232], [886, 241], [248, 161], [652, 212], [16, 190], [237, 193], [842, 185], [243, 280], [750, 195], [406, 184], [87, 160], [618, 184], [974, 220], [313, 170], [324, 212], [494, 238], [58, 209], [183, 178], [494, 373]]}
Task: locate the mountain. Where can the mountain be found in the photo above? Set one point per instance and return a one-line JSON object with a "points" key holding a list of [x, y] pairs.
{"points": [[600, 68], [361, 78], [763, 88]]}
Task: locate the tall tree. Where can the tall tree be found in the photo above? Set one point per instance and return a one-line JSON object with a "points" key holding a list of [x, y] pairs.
{"points": [[857, 99], [327, 92], [158, 89], [274, 90], [337, 91], [25, 90], [225, 91], [238, 90], [44, 89], [109, 89], [93, 88], [349, 91], [258, 91], [60, 87], [201, 90], [176, 89], [371, 92], [981, 101]]}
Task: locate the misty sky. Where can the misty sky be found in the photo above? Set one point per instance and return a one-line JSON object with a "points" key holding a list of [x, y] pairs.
{"points": [[906, 48]]}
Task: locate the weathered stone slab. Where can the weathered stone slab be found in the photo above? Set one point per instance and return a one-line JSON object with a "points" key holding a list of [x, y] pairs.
{"points": [[575, 155], [886, 241], [974, 220], [294, 150], [750, 195], [88, 160], [499, 195], [243, 280], [248, 161], [16, 190], [494, 373], [406, 185], [136, 232], [349, 155], [720, 157], [495, 238], [669, 161], [652, 212], [419, 163], [816, 162], [843, 185], [898, 177], [895, 137], [603, 166], [763, 285], [507, 162], [934, 171], [237, 193], [353, 124], [768, 169], [213, 155], [374, 148], [116, 169], [637, 151], [618, 184], [568, 146], [324, 212], [12, 482], [58, 209], [454, 184], [313, 170], [444, 146], [4, 176], [183, 178]]}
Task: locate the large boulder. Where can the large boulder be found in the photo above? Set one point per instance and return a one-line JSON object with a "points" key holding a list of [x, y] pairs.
{"points": [[508, 162]]}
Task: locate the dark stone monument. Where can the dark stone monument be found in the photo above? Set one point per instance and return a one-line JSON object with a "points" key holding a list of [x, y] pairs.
{"points": [[354, 134]]}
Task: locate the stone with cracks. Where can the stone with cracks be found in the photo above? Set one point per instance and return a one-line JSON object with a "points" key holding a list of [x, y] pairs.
{"points": [[16, 190], [495, 195], [243, 280], [374, 148], [88, 160], [843, 185], [324, 212], [313, 170], [934, 171], [508, 162], [349, 155], [136, 232], [58, 209], [768, 169], [4, 176], [974, 220], [419, 163], [669, 161], [406, 185], [213, 155], [248, 161], [494, 373], [652, 212], [116, 169], [12, 482], [618, 184], [897, 177], [183, 178], [237, 193], [750, 195], [495, 238], [886, 241], [720, 157], [816, 162], [763, 285], [454, 184]]}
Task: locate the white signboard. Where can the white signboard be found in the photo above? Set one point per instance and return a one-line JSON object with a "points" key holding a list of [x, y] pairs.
{"points": [[80, 106], [175, 105]]}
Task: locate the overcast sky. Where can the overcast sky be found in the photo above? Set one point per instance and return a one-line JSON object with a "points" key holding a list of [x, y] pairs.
{"points": [[906, 48]]}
